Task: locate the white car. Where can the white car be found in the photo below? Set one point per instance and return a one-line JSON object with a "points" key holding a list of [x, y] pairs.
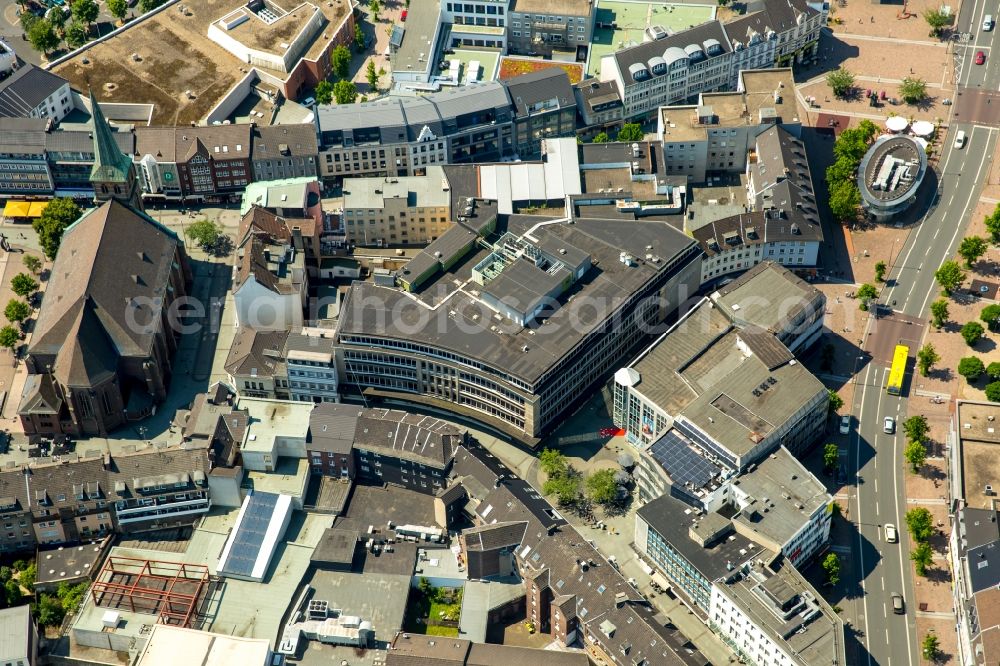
{"points": [[845, 425], [891, 536], [889, 425], [988, 22]]}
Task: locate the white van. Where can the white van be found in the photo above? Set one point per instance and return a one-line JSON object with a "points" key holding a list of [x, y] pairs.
{"points": [[960, 139]]}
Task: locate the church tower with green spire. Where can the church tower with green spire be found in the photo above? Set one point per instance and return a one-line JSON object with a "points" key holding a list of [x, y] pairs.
{"points": [[113, 175]]}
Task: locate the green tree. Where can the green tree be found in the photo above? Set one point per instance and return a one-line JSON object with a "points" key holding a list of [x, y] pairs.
{"points": [[993, 224], [971, 249], [841, 170], [831, 456], [553, 462], [43, 36], [6, 573], [831, 565], [324, 92], [916, 428], [866, 293], [59, 214], [926, 358], [939, 312], [836, 402], [922, 557], [992, 391], [601, 137], [913, 90], [841, 82], [972, 332], [631, 132], [50, 611], [880, 269], [12, 593], [991, 316], [949, 276], [971, 367], [149, 5], [16, 311], [374, 7], [118, 9], [915, 454], [340, 62], [601, 487], [9, 337], [28, 575], [57, 17], [425, 587], [937, 20], [32, 263], [993, 370], [372, 76], [85, 11], [844, 200], [920, 522], [345, 92], [27, 20], [205, 233], [565, 488], [23, 285], [359, 38], [930, 648], [76, 34], [70, 596]]}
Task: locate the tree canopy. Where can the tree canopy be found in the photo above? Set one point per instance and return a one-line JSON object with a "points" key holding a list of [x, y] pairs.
{"points": [[841, 81], [324, 92], [971, 367], [950, 276], [630, 132], [939, 312], [920, 522], [345, 92], [23, 285], [926, 358], [971, 249], [205, 233], [972, 332], [913, 90], [601, 486], [340, 61], [58, 214]]}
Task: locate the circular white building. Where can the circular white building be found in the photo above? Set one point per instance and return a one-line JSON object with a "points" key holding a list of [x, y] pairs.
{"points": [[890, 175]]}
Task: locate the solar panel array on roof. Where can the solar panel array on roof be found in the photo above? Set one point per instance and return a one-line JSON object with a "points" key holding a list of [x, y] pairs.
{"points": [[684, 465], [250, 534]]}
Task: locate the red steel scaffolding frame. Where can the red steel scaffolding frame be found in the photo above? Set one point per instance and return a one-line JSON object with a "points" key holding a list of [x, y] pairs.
{"points": [[170, 590]]}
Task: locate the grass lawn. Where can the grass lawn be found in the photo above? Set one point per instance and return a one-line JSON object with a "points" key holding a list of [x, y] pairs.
{"points": [[434, 618], [511, 67]]}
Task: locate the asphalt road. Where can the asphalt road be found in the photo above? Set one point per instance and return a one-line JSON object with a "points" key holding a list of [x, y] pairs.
{"points": [[883, 569]]}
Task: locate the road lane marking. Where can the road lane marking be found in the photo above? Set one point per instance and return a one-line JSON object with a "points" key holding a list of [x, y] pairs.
{"points": [[960, 226], [876, 509], [897, 551], [857, 467]]}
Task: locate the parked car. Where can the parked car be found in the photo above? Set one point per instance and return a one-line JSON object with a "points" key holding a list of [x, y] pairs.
{"points": [[889, 425], [891, 535], [980, 57], [845, 425]]}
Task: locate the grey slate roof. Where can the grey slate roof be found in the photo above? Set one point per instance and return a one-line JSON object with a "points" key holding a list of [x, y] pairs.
{"points": [[23, 135], [26, 88], [270, 142], [642, 53], [494, 536], [400, 119], [108, 260], [541, 86], [776, 15], [425, 439], [332, 427], [254, 350]]}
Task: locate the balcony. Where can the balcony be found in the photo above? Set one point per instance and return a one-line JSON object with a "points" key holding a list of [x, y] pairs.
{"points": [[153, 511]]}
